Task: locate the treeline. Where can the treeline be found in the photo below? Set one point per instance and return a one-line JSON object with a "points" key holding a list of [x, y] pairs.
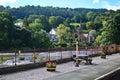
{"points": [[25, 11]]}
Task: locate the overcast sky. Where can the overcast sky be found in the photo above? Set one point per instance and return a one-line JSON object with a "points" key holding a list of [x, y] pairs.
{"points": [[108, 4]]}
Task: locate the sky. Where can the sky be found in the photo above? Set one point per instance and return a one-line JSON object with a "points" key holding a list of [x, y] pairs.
{"points": [[108, 4]]}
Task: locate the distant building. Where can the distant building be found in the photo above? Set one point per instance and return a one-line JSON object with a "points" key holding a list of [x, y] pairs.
{"points": [[53, 35], [84, 37]]}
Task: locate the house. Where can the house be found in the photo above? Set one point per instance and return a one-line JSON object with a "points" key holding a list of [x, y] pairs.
{"points": [[19, 24], [53, 35]]}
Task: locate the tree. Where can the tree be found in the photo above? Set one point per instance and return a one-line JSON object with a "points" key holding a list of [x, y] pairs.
{"points": [[21, 37], [6, 26], [40, 39], [63, 34], [67, 22], [52, 21], [90, 15], [59, 20], [90, 25], [35, 27], [111, 31], [45, 23]]}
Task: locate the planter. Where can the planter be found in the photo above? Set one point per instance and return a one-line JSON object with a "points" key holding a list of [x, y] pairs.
{"points": [[51, 66], [103, 56]]}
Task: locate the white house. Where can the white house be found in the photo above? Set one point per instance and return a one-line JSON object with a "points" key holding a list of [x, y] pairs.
{"points": [[53, 35], [19, 24]]}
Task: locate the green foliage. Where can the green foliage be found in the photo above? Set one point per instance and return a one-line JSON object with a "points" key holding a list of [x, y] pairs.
{"points": [[110, 31], [39, 57], [63, 34], [90, 15], [6, 25], [4, 58], [35, 27], [90, 25], [21, 57], [33, 57]]}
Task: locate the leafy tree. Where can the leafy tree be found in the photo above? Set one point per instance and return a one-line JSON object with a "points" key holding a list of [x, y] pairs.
{"points": [[63, 34], [110, 32], [76, 18], [32, 18], [90, 15], [59, 20], [67, 22], [52, 21], [41, 39], [6, 25], [45, 23], [35, 27], [90, 25]]}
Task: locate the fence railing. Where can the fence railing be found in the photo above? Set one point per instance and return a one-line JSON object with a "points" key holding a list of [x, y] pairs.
{"points": [[18, 57]]}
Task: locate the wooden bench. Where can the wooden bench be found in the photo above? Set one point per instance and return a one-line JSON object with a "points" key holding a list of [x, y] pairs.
{"points": [[86, 58], [81, 58]]}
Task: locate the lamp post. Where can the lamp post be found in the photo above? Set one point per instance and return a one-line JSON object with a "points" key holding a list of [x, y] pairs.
{"points": [[77, 62]]}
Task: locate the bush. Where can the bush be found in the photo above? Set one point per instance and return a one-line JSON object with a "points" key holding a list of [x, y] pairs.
{"points": [[21, 57], [33, 57]]}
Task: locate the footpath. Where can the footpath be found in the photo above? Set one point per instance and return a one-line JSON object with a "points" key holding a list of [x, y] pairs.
{"points": [[68, 71]]}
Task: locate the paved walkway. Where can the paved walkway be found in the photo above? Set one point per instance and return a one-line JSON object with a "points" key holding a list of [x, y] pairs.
{"points": [[68, 71]]}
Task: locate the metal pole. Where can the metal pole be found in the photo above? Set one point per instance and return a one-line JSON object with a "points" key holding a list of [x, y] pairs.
{"points": [[15, 57], [61, 53], [49, 54], [34, 56], [77, 63]]}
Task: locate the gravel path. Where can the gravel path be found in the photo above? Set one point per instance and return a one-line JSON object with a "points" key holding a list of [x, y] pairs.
{"points": [[62, 69]]}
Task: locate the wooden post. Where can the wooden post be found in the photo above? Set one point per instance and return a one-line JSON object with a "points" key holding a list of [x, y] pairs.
{"points": [[77, 63]]}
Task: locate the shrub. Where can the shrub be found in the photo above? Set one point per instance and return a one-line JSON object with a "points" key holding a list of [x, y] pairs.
{"points": [[21, 57]]}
